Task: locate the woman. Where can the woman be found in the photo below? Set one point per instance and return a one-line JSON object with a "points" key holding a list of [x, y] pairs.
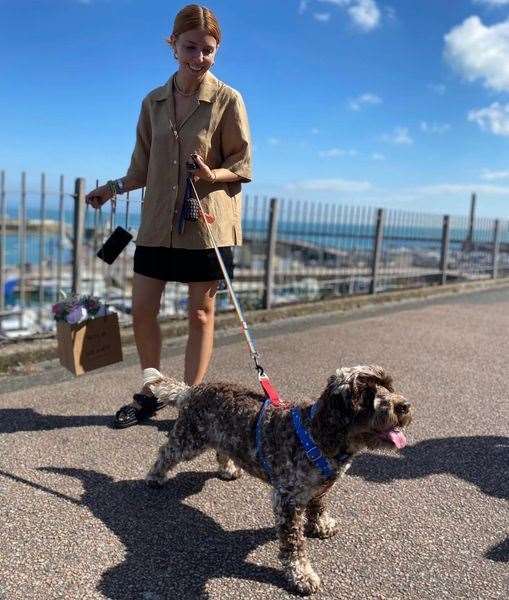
{"points": [[193, 114]]}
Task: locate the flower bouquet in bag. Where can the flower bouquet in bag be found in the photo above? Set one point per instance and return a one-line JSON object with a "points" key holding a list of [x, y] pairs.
{"points": [[88, 334]]}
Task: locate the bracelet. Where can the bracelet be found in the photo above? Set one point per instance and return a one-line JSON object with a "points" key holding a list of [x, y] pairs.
{"points": [[112, 186], [215, 176], [116, 186]]}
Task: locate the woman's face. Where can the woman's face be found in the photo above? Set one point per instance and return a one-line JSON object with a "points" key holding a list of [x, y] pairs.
{"points": [[196, 51]]}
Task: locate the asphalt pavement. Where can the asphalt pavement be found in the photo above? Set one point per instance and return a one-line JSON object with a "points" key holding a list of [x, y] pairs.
{"points": [[429, 522]]}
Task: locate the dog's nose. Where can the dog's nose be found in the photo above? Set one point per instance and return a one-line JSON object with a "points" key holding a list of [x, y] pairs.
{"points": [[403, 407]]}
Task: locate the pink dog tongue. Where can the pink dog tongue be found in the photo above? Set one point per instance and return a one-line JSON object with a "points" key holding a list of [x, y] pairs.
{"points": [[397, 438]]}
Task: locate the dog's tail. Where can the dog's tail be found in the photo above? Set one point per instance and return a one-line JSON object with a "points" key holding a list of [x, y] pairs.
{"points": [[168, 390]]}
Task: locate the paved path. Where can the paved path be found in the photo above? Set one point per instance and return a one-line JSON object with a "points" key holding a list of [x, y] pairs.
{"points": [[77, 522]]}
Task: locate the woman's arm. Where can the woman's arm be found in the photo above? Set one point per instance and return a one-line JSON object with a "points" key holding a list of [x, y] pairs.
{"points": [[212, 175]]}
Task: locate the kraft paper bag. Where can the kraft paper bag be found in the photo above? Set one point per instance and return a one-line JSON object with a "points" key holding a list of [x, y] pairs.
{"points": [[89, 345]]}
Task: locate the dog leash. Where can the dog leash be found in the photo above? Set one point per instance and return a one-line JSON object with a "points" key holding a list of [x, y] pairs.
{"points": [[270, 391]]}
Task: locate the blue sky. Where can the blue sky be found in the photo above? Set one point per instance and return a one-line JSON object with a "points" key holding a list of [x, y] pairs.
{"points": [[403, 103]]}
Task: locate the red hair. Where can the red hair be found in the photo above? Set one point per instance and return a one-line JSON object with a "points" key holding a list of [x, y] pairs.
{"points": [[194, 16]]}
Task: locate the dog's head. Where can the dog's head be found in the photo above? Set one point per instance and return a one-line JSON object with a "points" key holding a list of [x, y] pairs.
{"points": [[359, 405]]}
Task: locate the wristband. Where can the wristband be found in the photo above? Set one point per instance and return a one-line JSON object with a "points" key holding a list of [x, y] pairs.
{"points": [[112, 187], [116, 186], [215, 176]]}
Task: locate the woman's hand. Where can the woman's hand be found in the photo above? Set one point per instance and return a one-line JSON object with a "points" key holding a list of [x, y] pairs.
{"points": [[96, 198], [203, 171]]}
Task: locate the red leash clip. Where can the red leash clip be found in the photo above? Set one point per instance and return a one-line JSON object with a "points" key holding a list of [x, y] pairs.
{"points": [[269, 389]]}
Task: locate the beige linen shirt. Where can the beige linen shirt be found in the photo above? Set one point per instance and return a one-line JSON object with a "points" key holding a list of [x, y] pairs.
{"points": [[217, 129]]}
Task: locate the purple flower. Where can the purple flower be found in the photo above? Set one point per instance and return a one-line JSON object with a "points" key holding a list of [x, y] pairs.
{"points": [[77, 315]]}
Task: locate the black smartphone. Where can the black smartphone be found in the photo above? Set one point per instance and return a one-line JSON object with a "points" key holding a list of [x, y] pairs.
{"points": [[114, 245]]}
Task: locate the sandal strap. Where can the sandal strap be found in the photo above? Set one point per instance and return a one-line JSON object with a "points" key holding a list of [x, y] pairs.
{"points": [[148, 402]]}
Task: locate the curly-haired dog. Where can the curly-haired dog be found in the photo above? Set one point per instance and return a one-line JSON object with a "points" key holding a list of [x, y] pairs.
{"points": [[358, 409]]}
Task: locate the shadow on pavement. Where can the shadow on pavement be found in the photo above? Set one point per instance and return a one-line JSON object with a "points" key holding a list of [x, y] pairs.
{"points": [[172, 549], [499, 552], [479, 460], [13, 420]]}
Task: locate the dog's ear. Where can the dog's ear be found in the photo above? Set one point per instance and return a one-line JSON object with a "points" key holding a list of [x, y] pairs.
{"points": [[364, 376], [335, 413]]}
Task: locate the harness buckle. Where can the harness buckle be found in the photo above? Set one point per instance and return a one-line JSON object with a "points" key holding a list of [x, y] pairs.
{"points": [[314, 454]]}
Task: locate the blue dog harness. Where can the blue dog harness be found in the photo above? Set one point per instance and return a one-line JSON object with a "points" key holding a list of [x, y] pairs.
{"points": [[312, 451]]}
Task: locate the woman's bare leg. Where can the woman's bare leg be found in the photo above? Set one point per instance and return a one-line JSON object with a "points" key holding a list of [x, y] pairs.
{"points": [[147, 293], [201, 310], [199, 350]]}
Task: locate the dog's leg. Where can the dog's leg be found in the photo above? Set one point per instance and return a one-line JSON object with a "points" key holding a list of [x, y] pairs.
{"points": [[292, 544], [183, 444], [319, 523], [228, 470]]}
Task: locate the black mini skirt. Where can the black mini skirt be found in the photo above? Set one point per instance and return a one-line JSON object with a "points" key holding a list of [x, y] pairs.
{"points": [[181, 264]]}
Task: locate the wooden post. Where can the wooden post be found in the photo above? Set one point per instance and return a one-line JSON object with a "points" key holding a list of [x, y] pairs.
{"points": [[444, 255], [496, 248], [377, 251], [79, 221], [271, 254]]}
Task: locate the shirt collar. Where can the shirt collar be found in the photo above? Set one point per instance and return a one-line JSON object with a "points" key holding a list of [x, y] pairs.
{"points": [[207, 92]]}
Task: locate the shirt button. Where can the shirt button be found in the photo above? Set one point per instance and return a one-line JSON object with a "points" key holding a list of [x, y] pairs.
{"points": [[173, 187], [174, 162]]}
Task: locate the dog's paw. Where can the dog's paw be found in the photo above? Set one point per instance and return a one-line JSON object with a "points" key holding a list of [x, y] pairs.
{"points": [[303, 578], [230, 474], [228, 470], [323, 528]]}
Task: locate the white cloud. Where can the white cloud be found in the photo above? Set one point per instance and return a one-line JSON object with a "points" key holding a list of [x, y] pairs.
{"points": [[321, 17], [336, 152], [272, 141], [315, 131], [492, 2], [480, 52], [364, 13], [329, 185], [357, 103], [398, 136], [488, 175], [448, 189], [377, 156], [434, 127], [494, 118]]}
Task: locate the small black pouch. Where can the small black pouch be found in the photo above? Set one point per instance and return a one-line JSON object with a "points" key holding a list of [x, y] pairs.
{"points": [[114, 245]]}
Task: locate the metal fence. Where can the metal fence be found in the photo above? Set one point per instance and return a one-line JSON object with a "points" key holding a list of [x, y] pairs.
{"points": [[293, 251]]}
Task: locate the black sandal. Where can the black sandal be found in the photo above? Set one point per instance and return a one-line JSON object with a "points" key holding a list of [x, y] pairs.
{"points": [[130, 414]]}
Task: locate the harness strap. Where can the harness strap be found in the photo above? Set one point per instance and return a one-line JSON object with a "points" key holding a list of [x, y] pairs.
{"points": [[259, 450], [311, 449]]}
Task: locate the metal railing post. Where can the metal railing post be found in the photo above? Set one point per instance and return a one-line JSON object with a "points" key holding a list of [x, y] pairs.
{"points": [[22, 240], [496, 248], [444, 253], [271, 254], [79, 221], [377, 251], [42, 246], [3, 238]]}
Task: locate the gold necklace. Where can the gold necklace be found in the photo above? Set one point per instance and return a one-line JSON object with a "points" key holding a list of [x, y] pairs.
{"points": [[186, 94]]}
